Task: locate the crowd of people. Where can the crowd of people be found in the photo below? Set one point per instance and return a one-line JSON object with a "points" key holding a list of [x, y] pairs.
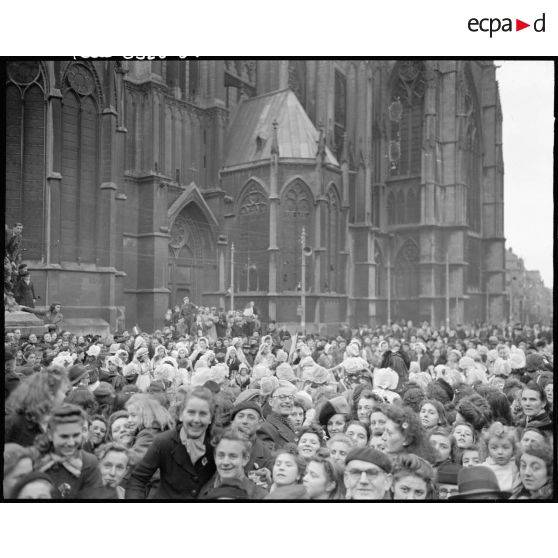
{"points": [[196, 411]]}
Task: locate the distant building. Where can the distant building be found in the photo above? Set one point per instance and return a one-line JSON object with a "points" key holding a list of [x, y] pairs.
{"points": [[528, 300], [133, 180]]}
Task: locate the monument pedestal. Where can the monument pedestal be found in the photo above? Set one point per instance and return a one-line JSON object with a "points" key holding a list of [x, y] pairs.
{"points": [[25, 321]]}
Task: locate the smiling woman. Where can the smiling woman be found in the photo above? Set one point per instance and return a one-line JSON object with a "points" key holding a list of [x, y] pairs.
{"points": [[183, 455]]}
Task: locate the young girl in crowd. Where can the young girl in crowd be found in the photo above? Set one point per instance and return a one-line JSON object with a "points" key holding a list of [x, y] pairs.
{"points": [[323, 479], [502, 445], [471, 456], [287, 473], [413, 479], [75, 473], [443, 444], [358, 432]]}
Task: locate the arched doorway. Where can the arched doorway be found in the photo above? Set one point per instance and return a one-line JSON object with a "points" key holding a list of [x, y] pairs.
{"points": [[192, 264]]}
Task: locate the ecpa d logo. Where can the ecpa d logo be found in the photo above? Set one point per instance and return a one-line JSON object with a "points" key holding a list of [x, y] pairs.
{"points": [[494, 24]]}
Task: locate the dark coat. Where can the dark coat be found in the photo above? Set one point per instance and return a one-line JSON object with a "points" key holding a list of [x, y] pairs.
{"points": [[20, 430], [180, 479], [260, 457], [88, 485], [284, 434], [25, 293]]}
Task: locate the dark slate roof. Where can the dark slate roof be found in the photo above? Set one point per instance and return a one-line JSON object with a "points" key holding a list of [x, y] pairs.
{"points": [[297, 136]]}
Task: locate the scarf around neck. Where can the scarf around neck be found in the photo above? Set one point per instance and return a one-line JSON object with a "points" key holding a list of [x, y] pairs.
{"points": [[73, 465], [195, 447]]}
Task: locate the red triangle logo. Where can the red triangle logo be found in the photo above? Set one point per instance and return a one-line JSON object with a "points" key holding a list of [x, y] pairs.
{"points": [[519, 25]]}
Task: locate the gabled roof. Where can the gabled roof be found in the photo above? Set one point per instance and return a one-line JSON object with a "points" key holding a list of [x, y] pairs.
{"points": [[297, 136]]}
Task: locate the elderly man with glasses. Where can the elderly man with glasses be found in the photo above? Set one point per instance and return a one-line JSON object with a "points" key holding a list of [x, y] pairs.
{"points": [[367, 474], [281, 402]]}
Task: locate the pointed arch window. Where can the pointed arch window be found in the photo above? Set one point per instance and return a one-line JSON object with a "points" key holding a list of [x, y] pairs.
{"points": [[25, 153], [406, 115], [80, 152], [297, 211], [332, 241], [406, 271]]}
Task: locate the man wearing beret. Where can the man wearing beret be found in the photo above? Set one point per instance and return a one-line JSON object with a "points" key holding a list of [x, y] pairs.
{"points": [[367, 474], [247, 417]]}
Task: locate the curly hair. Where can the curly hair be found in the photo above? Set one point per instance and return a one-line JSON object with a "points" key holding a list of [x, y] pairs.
{"points": [[312, 428], [502, 432], [499, 404], [476, 410], [35, 396], [415, 440], [152, 413], [413, 465]]}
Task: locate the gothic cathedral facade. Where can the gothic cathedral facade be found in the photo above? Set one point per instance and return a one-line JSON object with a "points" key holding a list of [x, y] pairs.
{"points": [[141, 181]]}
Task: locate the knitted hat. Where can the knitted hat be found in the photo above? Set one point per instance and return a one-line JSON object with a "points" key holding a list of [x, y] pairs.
{"points": [[476, 481], [13, 454], [246, 405], [447, 474], [285, 372], [370, 455], [336, 406]]}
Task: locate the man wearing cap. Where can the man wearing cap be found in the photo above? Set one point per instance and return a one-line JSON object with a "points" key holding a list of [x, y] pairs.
{"points": [[281, 402], [247, 417], [478, 483], [367, 474]]}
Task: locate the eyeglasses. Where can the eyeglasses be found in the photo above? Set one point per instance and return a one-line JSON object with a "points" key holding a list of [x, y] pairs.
{"points": [[356, 474], [284, 397]]}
